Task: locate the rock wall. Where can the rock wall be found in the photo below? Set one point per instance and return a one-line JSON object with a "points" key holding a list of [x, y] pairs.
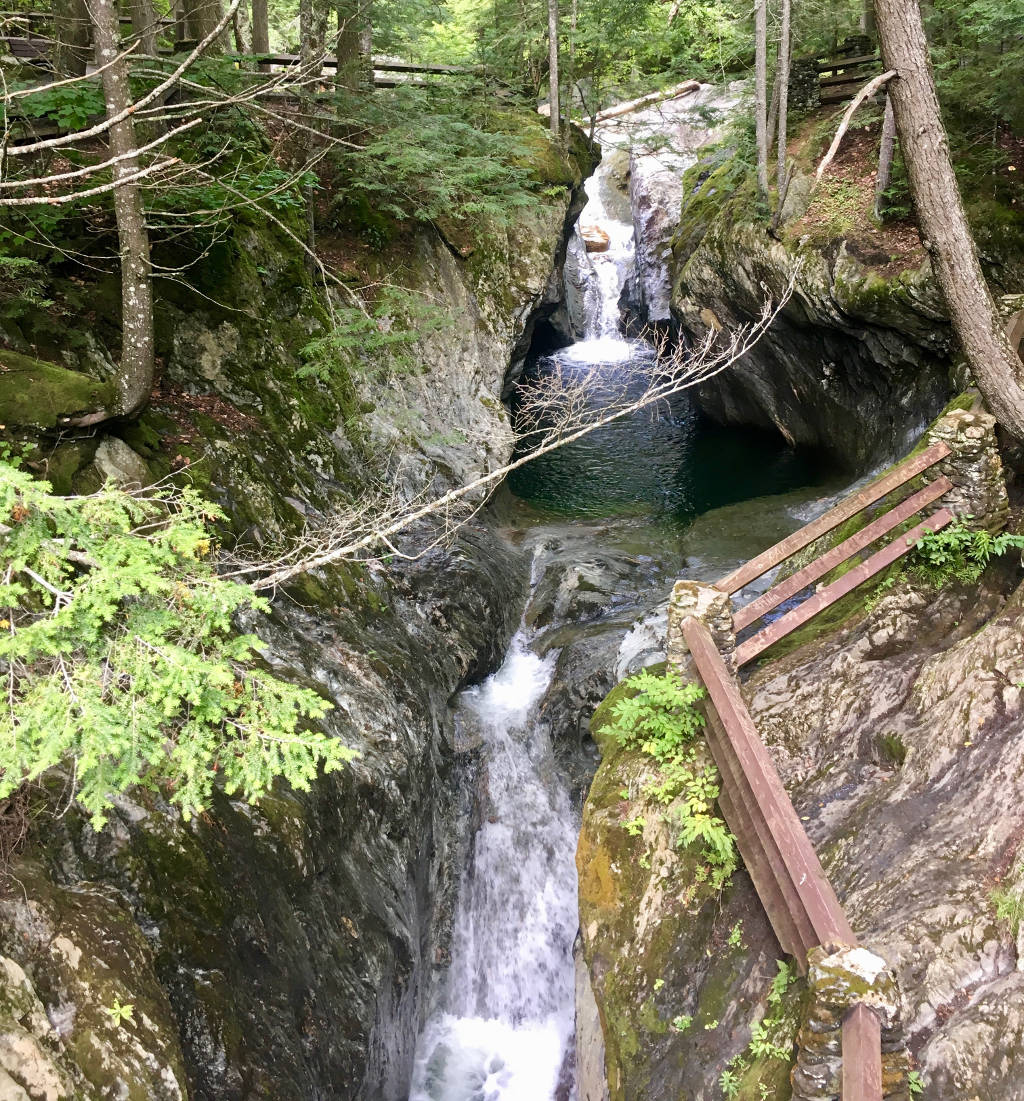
{"points": [[855, 364], [285, 951], [897, 729]]}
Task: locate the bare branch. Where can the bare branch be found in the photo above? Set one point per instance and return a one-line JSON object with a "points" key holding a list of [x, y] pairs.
{"points": [[149, 97], [869, 89]]}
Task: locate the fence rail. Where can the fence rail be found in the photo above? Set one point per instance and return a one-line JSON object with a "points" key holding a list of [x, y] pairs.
{"points": [[799, 900]]}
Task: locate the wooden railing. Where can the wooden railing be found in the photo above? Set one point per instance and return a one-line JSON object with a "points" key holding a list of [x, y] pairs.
{"points": [[824, 563], [801, 905]]}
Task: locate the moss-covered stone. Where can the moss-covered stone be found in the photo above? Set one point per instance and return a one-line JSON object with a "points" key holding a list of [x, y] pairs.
{"points": [[36, 394]]}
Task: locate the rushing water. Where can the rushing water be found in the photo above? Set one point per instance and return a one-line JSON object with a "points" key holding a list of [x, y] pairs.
{"points": [[508, 1019], [504, 1030]]}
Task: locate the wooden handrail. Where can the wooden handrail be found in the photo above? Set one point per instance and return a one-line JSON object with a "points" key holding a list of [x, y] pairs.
{"points": [[845, 510], [788, 623], [799, 581], [862, 1055], [799, 876]]}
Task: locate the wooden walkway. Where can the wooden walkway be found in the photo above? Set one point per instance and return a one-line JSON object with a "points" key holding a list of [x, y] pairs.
{"points": [[801, 904]]}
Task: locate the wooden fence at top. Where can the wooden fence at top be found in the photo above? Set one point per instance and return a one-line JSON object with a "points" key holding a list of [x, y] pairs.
{"points": [[799, 900]]}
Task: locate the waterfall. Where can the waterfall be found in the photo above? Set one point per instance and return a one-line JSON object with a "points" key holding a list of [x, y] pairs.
{"points": [[601, 275], [505, 1029]]}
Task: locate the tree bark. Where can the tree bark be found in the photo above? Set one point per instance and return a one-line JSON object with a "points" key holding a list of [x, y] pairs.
{"points": [[867, 19], [242, 29], [761, 93], [135, 381], [348, 47], [71, 34], [260, 32], [144, 26], [553, 90], [201, 17], [783, 85], [996, 367], [886, 155]]}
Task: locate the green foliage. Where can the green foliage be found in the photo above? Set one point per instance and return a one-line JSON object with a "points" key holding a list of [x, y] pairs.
{"points": [[915, 1084], [661, 721], [71, 106], [1009, 907], [121, 660], [771, 1038], [784, 978], [375, 339], [427, 156], [958, 553], [682, 1022], [23, 286], [729, 1082], [119, 1013]]}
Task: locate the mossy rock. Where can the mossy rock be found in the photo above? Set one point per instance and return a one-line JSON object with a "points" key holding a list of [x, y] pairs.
{"points": [[34, 394]]}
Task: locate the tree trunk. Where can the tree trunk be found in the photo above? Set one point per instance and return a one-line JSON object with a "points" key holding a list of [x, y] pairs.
{"points": [[761, 93], [996, 367], [201, 17], [886, 154], [242, 28], [783, 85], [144, 26], [260, 32], [553, 97], [71, 37], [312, 34], [867, 19], [347, 73], [135, 381]]}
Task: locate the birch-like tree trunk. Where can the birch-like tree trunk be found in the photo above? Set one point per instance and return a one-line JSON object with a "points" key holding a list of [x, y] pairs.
{"points": [[135, 380], [242, 29], [761, 93], [553, 89], [886, 155], [997, 369], [782, 82]]}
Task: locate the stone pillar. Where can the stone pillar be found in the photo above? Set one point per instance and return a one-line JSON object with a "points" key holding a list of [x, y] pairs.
{"points": [[804, 83], [973, 466], [711, 606], [839, 978]]}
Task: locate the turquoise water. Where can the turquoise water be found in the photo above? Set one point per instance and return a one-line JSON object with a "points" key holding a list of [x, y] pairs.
{"points": [[665, 463]]}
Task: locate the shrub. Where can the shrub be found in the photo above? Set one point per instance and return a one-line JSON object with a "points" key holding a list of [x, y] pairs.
{"points": [[120, 657]]}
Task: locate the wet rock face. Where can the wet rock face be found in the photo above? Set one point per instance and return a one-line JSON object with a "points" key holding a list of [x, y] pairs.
{"points": [[285, 951], [854, 364], [901, 740]]}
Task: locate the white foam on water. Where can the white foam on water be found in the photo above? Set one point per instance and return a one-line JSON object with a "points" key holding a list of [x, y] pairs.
{"points": [[507, 1021]]}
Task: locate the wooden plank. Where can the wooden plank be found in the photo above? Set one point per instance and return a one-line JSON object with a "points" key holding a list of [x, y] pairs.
{"points": [[842, 512], [331, 62], [788, 623], [761, 854], [841, 78], [802, 866], [839, 554], [862, 1055], [846, 63]]}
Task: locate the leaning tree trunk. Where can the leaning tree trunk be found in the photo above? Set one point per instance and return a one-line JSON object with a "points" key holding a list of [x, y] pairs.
{"points": [[997, 369], [886, 155], [241, 28], [761, 93], [135, 380], [553, 97]]}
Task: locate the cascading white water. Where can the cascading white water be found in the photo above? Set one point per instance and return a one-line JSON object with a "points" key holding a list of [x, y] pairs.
{"points": [[506, 1026], [607, 211]]}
